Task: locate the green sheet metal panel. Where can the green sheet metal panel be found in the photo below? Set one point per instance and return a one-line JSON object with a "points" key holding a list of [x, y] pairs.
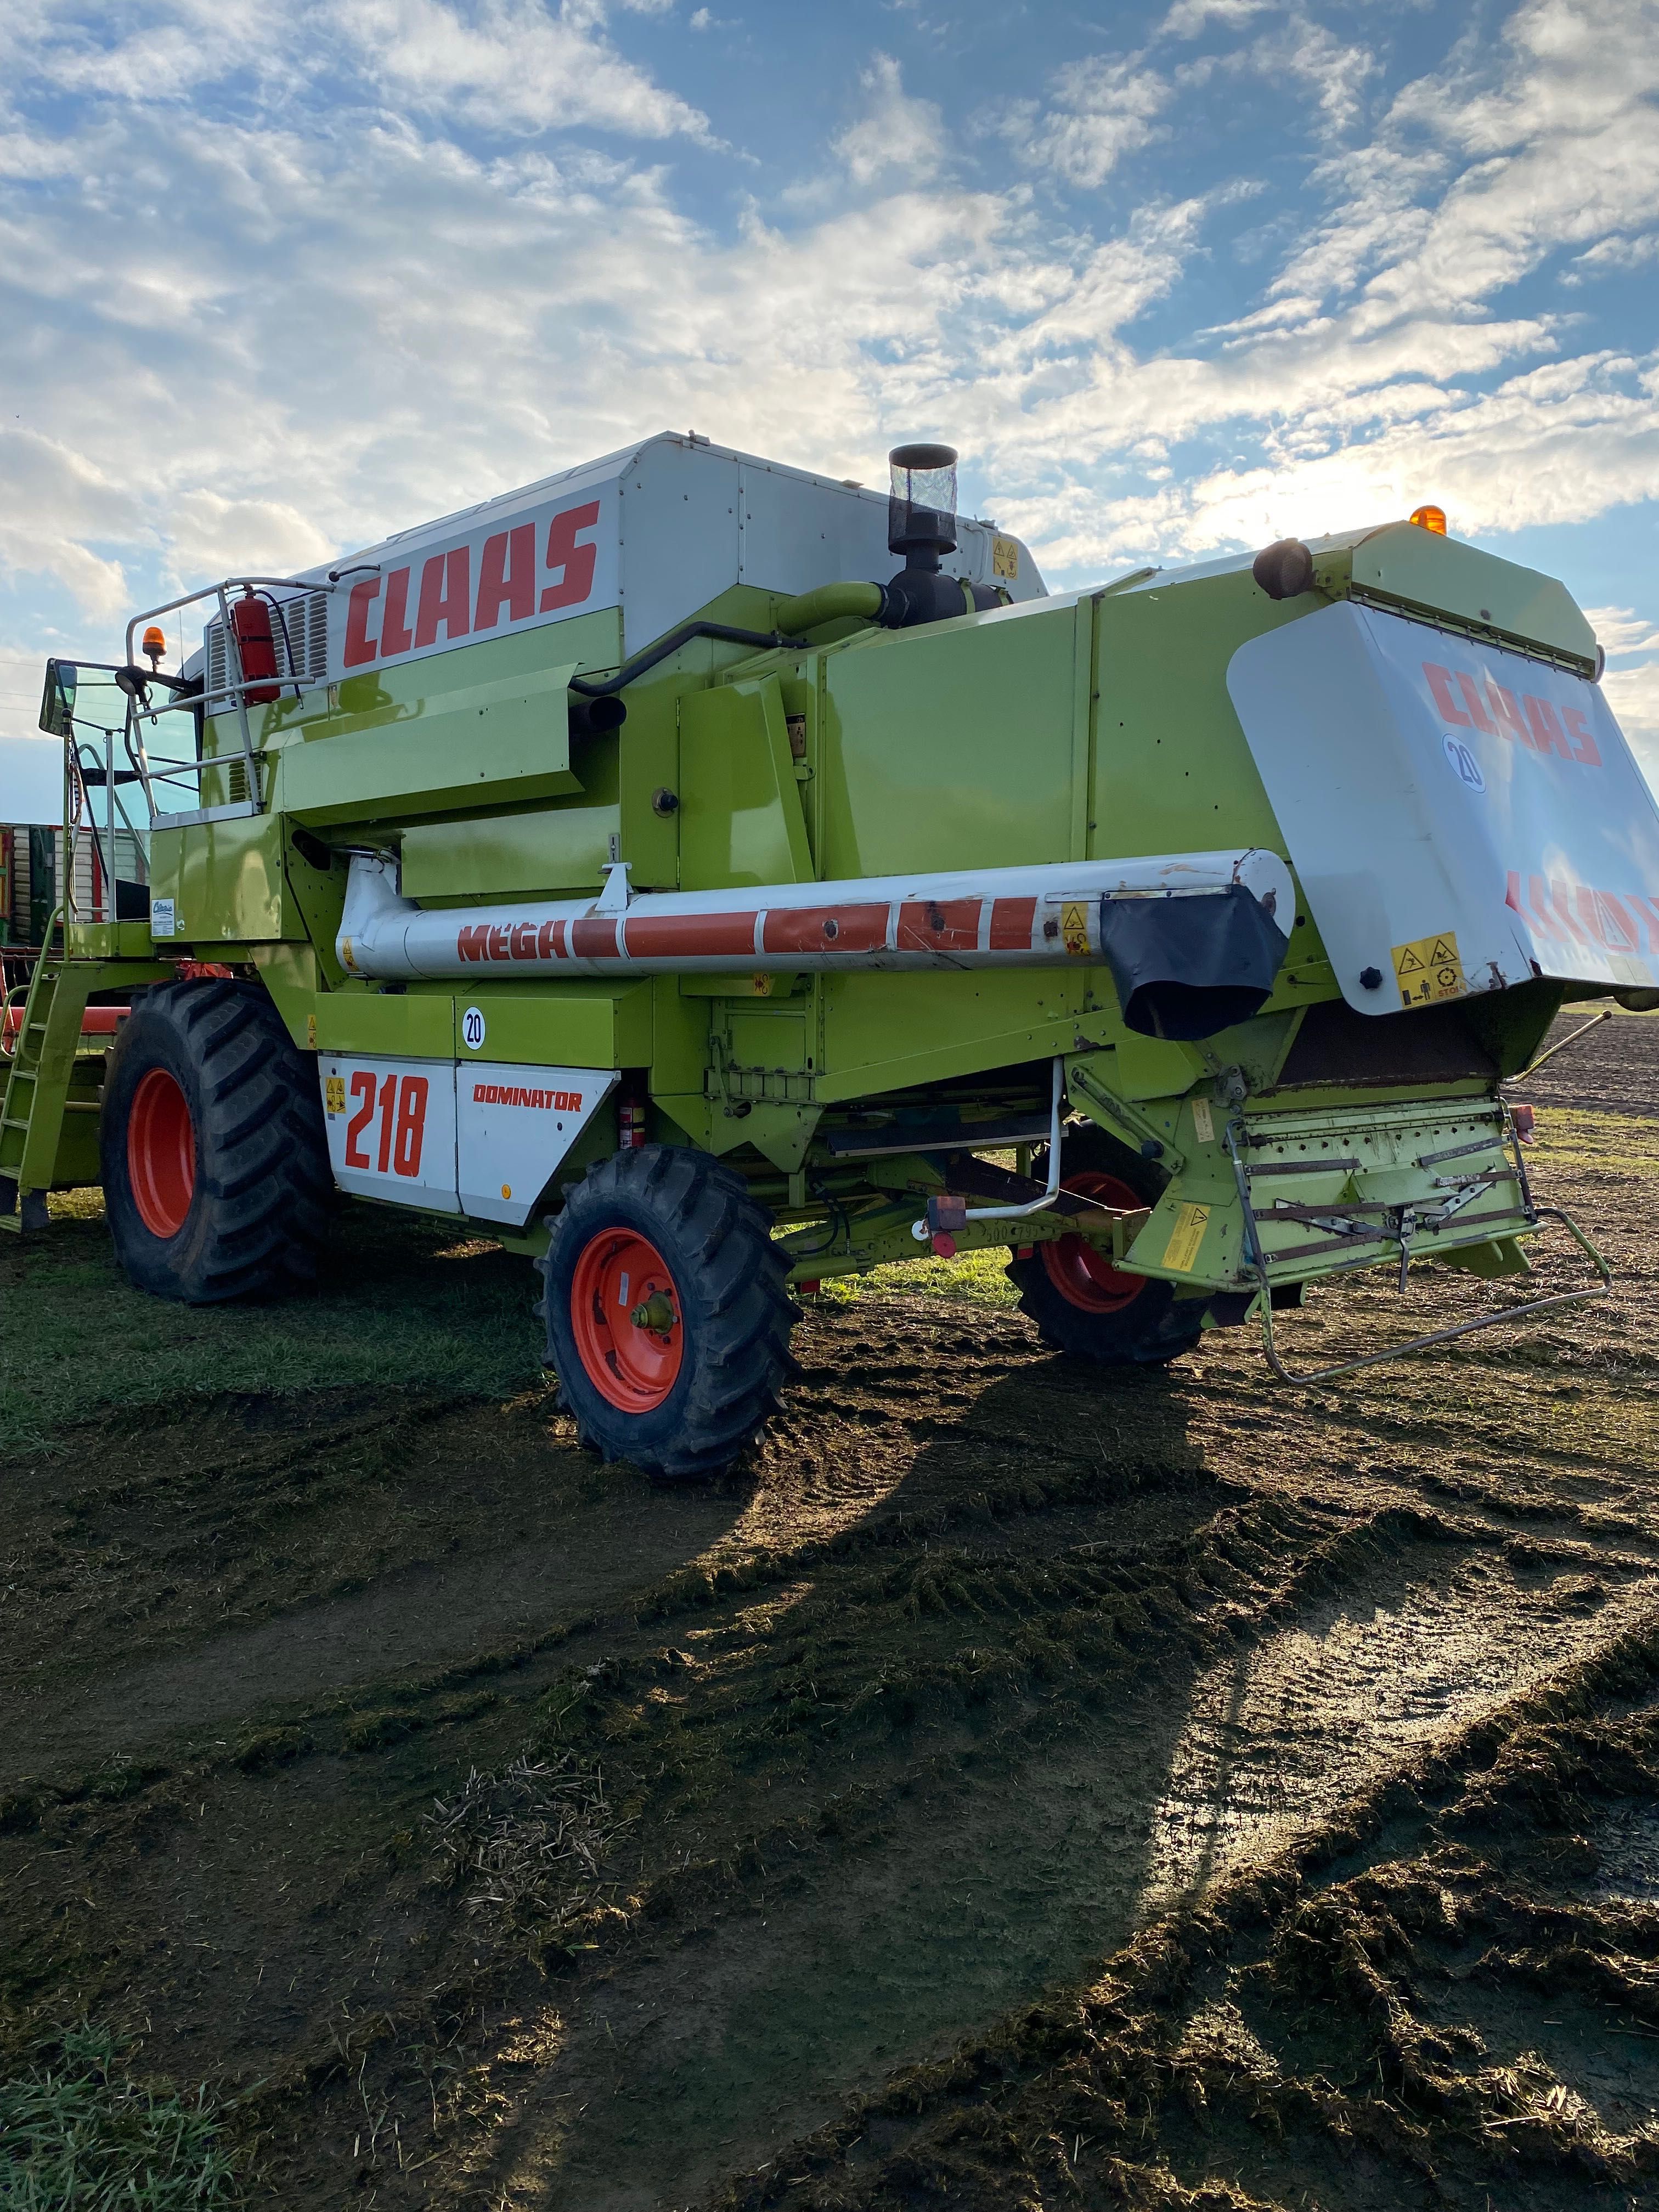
{"points": [[951, 746], [1421, 568], [227, 881], [553, 849], [740, 819], [501, 742], [587, 1024], [1172, 772], [414, 1024]]}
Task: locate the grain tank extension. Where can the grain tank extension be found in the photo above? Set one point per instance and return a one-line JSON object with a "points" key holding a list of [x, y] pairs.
{"points": [[710, 878]]}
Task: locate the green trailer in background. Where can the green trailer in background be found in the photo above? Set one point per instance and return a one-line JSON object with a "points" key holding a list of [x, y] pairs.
{"points": [[645, 870]]}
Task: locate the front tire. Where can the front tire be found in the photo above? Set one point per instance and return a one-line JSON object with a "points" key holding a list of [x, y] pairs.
{"points": [[667, 1313], [1079, 1301], [215, 1165]]}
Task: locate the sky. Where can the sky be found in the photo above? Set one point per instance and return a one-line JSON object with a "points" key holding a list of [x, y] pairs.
{"points": [[1175, 279]]}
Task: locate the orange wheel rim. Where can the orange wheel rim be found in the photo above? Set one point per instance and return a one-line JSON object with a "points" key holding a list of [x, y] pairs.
{"points": [[625, 1315], [1080, 1270], [161, 1154]]}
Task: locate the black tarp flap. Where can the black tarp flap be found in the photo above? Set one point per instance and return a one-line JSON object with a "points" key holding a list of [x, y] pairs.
{"points": [[1189, 966]]}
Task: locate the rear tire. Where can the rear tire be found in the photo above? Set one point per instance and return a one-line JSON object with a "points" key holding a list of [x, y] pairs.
{"points": [[667, 1313], [1080, 1302], [216, 1180]]}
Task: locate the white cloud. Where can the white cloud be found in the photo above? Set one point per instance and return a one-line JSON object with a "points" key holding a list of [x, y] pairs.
{"points": [[1300, 54], [1632, 690], [1555, 144], [1621, 631], [897, 136], [1611, 257], [516, 62], [55, 504], [1188, 19], [1101, 110]]}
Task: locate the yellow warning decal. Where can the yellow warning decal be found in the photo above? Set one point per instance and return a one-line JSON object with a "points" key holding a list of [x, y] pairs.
{"points": [[761, 986], [1074, 928], [334, 1094], [1185, 1238], [1428, 969], [1004, 557], [311, 1032]]}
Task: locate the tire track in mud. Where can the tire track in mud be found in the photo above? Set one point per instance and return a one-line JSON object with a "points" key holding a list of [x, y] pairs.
{"points": [[1445, 2000], [1059, 1847]]}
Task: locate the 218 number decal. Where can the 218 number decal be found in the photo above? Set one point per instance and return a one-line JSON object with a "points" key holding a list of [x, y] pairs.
{"points": [[401, 1102]]}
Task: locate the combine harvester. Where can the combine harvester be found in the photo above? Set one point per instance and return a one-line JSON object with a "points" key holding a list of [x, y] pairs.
{"points": [[602, 867]]}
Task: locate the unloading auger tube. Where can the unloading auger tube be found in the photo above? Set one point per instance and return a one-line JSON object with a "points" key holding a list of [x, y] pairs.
{"points": [[1194, 940]]}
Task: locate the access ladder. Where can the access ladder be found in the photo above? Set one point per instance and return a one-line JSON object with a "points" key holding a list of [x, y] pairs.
{"points": [[38, 1078]]}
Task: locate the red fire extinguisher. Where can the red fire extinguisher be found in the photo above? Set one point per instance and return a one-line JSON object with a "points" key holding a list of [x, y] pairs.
{"points": [[250, 618]]}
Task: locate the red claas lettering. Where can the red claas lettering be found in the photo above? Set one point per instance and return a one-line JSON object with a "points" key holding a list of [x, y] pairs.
{"points": [[360, 647], [1440, 682], [1535, 722], [445, 597], [396, 636], [1584, 746], [573, 563], [506, 577]]}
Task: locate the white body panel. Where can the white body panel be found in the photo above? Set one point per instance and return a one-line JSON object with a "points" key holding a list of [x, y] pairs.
{"points": [[513, 1127], [1042, 916], [1438, 795], [481, 1138], [656, 532], [390, 1126]]}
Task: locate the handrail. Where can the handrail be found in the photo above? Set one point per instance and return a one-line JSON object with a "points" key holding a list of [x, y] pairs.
{"points": [[217, 590]]}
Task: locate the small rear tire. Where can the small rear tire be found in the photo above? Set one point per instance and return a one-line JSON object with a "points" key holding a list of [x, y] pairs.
{"points": [[1079, 1301], [667, 1311], [214, 1164]]}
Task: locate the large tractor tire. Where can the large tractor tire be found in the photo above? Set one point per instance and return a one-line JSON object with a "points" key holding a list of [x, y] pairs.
{"points": [[667, 1315], [216, 1180], [1079, 1301]]}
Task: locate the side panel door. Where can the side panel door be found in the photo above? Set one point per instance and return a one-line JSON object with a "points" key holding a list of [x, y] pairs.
{"points": [[390, 1126], [514, 1126]]}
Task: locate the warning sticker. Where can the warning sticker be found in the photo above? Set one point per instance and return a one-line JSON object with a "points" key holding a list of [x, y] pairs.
{"points": [[1074, 928], [1004, 557], [1185, 1238], [1203, 1122], [334, 1094], [1428, 969]]}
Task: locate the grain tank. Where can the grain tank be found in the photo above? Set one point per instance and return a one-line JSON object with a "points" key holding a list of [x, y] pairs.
{"points": [[710, 878]]}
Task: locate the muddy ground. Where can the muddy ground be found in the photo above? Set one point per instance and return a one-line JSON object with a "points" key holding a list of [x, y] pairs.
{"points": [[1021, 1786]]}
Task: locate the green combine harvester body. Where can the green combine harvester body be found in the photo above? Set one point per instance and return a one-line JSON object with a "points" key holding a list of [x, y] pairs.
{"points": [[624, 869]]}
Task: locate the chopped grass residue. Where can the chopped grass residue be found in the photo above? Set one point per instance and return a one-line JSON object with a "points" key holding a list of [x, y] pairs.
{"points": [[977, 1276], [1617, 1142], [396, 1302], [82, 2137]]}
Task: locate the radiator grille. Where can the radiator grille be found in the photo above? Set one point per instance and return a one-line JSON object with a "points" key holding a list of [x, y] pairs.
{"points": [[301, 643]]}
